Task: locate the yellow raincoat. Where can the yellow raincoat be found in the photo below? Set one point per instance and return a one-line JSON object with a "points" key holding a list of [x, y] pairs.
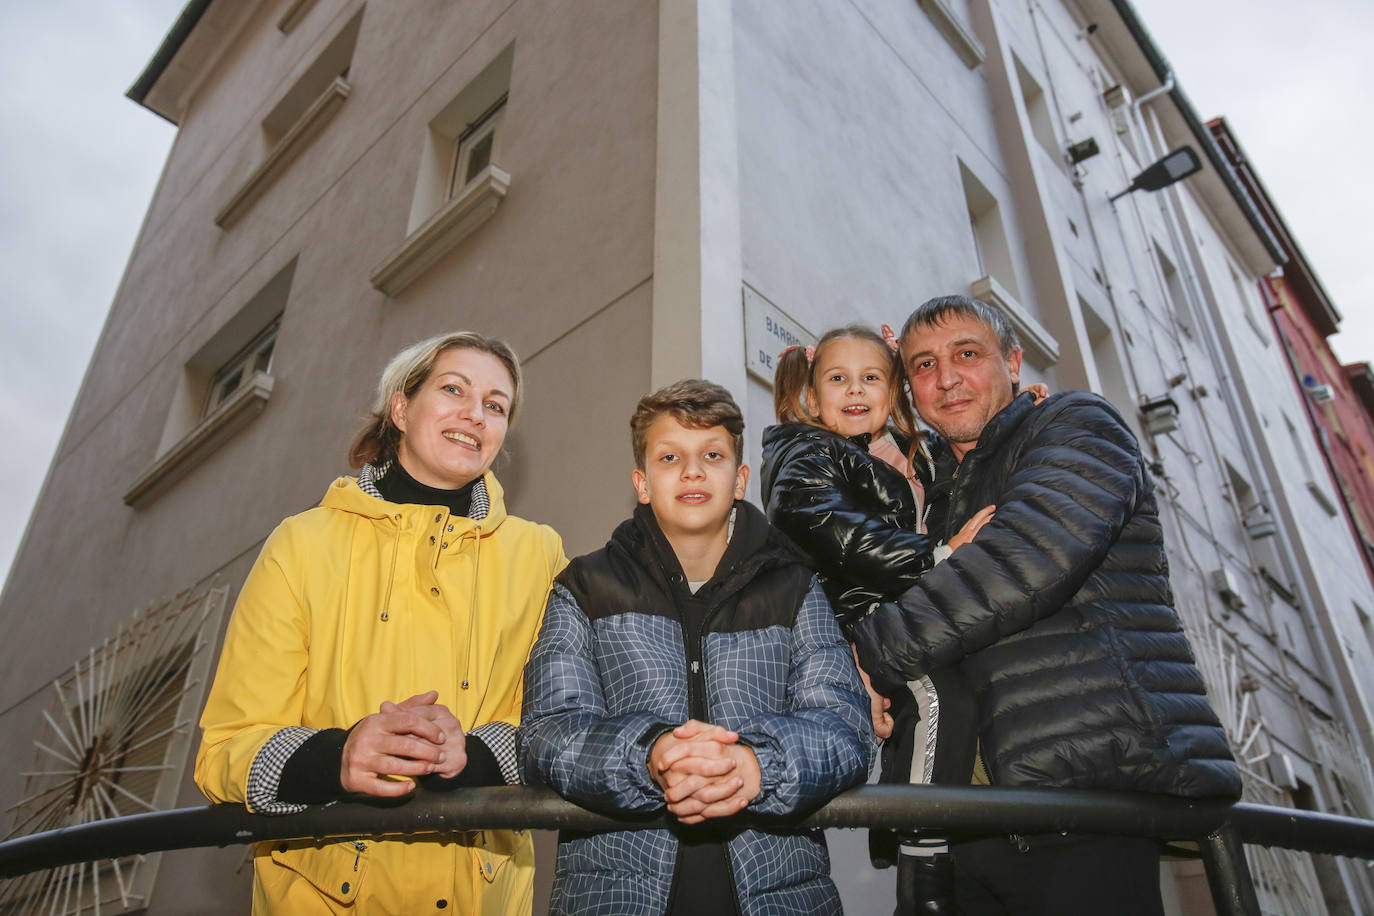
{"points": [[355, 602]]}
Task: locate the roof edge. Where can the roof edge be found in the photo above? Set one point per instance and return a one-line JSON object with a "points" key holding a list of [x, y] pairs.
{"points": [[1200, 133], [1320, 308], [171, 44]]}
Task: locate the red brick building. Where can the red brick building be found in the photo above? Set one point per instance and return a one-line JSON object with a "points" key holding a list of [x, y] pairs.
{"points": [[1339, 398]]}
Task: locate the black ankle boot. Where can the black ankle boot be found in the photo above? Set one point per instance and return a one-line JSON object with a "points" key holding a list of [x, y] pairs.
{"points": [[925, 885]]}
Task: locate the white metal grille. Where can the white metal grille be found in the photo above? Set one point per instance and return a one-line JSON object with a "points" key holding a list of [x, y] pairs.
{"points": [[114, 743]]}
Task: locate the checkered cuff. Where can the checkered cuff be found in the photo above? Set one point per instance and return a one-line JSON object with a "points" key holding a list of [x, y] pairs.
{"points": [[264, 776], [499, 738]]}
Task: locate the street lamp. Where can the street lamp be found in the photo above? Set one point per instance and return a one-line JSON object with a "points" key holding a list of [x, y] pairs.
{"points": [[1176, 166]]}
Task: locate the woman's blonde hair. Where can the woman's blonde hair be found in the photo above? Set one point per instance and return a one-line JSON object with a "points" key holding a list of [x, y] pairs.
{"points": [[378, 440]]}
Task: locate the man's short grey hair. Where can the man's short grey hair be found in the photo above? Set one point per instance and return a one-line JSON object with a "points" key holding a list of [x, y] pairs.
{"points": [[937, 311]]}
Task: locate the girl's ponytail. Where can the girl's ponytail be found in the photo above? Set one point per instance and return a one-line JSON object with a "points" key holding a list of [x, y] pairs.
{"points": [[789, 385], [900, 414]]}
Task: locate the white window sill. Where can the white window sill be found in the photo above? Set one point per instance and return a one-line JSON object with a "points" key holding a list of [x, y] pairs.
{"points": [[295, 140], [1039, 346], [1256, 326], [295, 12], [969, 49], [202, 441], [1320, 495], [441, 233]]}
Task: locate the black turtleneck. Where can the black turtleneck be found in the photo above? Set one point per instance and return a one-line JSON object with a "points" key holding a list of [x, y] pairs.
{"points": [[399, 487], [311, 774]]}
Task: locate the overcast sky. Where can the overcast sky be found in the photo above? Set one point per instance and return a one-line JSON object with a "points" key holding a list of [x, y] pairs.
{"points": [[78, 163]]}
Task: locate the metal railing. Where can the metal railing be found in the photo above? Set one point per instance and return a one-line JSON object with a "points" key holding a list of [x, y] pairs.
{"points": [[1219, 828]]}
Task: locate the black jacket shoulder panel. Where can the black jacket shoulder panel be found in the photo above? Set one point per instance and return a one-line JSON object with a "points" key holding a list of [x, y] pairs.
{"points": [[853, 515], [760, 579]]}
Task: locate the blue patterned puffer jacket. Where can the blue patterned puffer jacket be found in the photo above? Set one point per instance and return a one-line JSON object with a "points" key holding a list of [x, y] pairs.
{"points": [[626, 652]]}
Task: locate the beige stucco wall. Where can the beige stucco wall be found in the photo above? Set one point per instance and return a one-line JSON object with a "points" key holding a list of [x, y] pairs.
{"points": [[562, 270], [661, 155]]}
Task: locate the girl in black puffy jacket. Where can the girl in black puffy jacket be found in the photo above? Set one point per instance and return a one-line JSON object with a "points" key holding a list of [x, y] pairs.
{"points": [[845, 477]]}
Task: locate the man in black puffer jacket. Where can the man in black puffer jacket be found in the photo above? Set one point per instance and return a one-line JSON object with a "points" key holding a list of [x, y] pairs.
{"points": [[1059, 613]]}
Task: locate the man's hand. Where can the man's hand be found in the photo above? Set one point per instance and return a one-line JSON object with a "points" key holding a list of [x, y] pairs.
{"points": [[402, 740], [878, 705], [966, 533]]}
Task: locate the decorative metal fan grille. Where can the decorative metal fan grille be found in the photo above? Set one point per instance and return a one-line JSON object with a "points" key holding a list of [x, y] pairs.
{"points": [[1333, 745], [1285, 880], [115, 744]]}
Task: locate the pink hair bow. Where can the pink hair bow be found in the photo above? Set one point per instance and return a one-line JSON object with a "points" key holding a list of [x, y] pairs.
{"points": [[810, 352], [890, 337]]}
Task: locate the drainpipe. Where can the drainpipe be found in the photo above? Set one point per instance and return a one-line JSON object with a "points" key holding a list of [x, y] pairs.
{"points": [[1153, 93]]}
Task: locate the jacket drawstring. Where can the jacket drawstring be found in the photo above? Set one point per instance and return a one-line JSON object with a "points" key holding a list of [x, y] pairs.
{"points": [[395, 560], [472, 604]]}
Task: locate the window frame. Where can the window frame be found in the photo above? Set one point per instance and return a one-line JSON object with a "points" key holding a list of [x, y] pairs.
{"points": [[487, 124], [245, 362]]}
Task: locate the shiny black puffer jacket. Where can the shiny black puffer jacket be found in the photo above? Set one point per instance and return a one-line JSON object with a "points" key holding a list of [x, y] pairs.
{"points": [[852, 515], [1060, 613]]}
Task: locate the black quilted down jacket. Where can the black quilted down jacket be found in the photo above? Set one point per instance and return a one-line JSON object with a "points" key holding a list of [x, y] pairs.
{"points": [[1060, 613], [852, 515]]}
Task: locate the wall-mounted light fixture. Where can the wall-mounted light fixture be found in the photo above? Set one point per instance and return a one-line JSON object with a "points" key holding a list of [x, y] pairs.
{"points": [[1083, 149], [1225, 586], [1258, 521], [1316, 390], [1160, 415], [1176, 166]]}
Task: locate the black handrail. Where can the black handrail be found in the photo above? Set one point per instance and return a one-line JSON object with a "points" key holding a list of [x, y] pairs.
{"points": [[1220, 827]]}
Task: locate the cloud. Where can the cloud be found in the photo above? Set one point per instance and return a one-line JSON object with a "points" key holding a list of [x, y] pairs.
{"points": [[78, 164], [1290, 81]]}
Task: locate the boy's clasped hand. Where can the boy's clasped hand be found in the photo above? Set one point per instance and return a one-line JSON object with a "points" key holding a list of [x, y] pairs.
{"points": [[704, 771]]}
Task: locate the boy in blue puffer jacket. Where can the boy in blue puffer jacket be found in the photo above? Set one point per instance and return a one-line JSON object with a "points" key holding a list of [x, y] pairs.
{"points": [[693, 663]]}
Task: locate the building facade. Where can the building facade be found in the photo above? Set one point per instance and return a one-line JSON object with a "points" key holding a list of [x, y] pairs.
{"points": [[1337, 397], [632, 193]]}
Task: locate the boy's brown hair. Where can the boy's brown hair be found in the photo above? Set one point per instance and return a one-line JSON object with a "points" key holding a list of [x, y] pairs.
{"points": [[696, 404]]}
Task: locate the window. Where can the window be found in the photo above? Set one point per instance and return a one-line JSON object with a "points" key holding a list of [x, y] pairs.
{"points": [[1109, 371], [312, 102], [252, 359], [224, 385], [474, 150], [952, 19], [1366, 628], [295, 11], [1253, 309], [1255, 516], [1309, 474], [989, 235], [996, 284], [1174, 295], [460, 182], [1038, 112], [1117, 98]]}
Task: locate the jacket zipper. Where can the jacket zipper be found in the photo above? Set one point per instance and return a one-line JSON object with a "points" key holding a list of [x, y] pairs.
{"points": [[696, 709], [696, 675]]}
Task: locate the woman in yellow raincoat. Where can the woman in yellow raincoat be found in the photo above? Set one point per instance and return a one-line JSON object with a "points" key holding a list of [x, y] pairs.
{"points": [[380, 638]]}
